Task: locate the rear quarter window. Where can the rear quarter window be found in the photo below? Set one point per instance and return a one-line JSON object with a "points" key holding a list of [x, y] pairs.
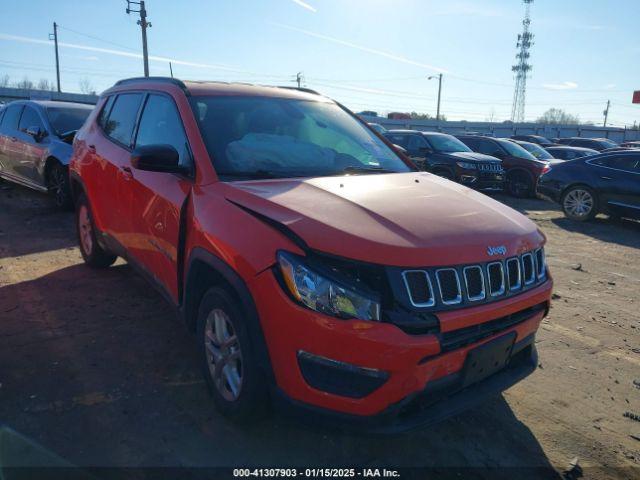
{"points": [[11, 117]]}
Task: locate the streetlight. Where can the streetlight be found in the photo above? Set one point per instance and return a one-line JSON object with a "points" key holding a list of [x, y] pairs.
{"points": [[439, 77]]}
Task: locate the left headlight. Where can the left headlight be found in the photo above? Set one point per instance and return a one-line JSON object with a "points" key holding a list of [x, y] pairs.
{"points": [[322, 294], [466, 165]]}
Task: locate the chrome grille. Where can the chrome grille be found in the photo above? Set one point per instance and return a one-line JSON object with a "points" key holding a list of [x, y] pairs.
{"points": [[443, 288], [474, 281], [449, 286], [495, 271], [490, 167], [419, 287], [528, 269], [514, 277]]}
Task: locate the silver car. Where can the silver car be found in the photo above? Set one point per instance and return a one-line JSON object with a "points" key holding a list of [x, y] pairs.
{"points": [[35, 144]]}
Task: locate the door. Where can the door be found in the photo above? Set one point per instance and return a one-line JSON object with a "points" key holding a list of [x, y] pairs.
{"points": [[32, 155], [158, 198], [417, 148], [618, 179], [9, 144], [110, 150]]}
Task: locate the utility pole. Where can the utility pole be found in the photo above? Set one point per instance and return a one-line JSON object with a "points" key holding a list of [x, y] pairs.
{"points": [[299, 79], [606, 113], [54, 36], [171, 69], [143, 25], [439, 77]]}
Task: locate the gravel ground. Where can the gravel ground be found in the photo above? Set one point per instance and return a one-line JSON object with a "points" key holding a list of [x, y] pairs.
{"points": [[94, 366]]}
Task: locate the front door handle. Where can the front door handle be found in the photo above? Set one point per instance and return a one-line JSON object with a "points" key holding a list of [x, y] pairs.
{"points": [[14, 139], [126, 172], [606, 178], [92, 148]]}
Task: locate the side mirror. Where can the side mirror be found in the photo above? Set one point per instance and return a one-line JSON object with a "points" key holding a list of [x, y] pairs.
{"points": [[157, 158], [36, 133]]}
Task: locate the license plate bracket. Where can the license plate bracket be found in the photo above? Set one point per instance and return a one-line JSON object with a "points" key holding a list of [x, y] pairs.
{"points": [[487, 359]]}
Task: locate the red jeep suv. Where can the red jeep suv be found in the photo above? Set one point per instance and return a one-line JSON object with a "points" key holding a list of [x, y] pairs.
{"points": [[318, 269]]}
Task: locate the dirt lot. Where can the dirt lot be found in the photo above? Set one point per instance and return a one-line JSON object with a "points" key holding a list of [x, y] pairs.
{"points": [[95, 367]]}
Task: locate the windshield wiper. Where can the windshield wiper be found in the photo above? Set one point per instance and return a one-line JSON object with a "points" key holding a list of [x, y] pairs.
{"points": [[256, 174], [363, 169]]}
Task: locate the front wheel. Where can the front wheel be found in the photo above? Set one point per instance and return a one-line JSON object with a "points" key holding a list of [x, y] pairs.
{"points": [[228, 364], [58, 186], [92, 253], [579, 203], [519, 184]]}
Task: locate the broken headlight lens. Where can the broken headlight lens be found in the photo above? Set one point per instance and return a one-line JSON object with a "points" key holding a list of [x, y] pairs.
{"points": [[322, 294]]}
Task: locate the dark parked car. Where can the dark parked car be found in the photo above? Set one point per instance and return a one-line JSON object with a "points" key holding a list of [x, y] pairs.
{"points": [[598, 144], [448, 157], [537, 139], [632, 144], [522, 168], [35, 144], [607, 183], [563, 152], [534, 149], [378, 128]]}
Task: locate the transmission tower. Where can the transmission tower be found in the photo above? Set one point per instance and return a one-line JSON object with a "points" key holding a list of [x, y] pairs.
{"points": [[522, 67]]}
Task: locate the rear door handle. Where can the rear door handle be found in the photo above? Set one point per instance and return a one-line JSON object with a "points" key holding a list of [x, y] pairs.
{"points": [[606, 178], [14, 139]]}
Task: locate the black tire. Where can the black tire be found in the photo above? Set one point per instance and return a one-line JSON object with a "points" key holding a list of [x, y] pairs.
{"points": [[58, 186], [519, 184], [92, 253], [251, 400], [571, 199]]}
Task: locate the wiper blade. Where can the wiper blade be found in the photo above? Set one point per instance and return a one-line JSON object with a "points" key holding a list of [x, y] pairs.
{"points": [[363, 169], [256, 174]]}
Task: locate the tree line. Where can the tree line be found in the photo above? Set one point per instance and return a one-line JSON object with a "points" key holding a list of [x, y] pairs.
{"points": [[43, 84]]}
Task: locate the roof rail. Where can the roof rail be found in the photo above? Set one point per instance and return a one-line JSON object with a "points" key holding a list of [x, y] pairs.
{"points": [[301, 89], [174, 81]]}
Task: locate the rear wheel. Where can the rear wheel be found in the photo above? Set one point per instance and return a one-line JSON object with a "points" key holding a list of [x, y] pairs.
{"points": [[519, 184], [92, 253], [228, 364], [579, 203], [58, 186]]}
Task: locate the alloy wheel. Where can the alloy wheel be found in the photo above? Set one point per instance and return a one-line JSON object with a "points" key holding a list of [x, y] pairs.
{"points": [[224, 357], [578, 203], [58, 186]]}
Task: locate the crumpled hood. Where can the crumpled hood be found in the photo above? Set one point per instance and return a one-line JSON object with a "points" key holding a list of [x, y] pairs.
{"points": [[404, 219], [474, 156]]}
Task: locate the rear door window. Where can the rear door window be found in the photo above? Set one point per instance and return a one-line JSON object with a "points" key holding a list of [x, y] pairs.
{"points": [[122, 117], [398, 139], [627, 163], [160, 123], [104, 113], [11, 117], [30, 118], [488, 147]]}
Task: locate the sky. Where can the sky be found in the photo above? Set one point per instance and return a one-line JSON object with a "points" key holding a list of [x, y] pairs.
{"points": [[368, 54]]}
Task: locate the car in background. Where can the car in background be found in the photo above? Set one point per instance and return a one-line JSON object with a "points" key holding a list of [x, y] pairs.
{"points": [[563, 152], [448, 157], [522, 169], [537, 139], [631, 144], [378, 128], [598, 144], [534, 149], [604, 183], [35, 144]]}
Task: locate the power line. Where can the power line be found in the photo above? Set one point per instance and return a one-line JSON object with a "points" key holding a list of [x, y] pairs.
{"points": [[93, 37]]}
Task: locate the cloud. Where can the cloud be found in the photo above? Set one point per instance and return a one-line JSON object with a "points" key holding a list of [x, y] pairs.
{"points": [[466, 9], [560, 86], [305, 5], [590, 27], [120, 53], [609, 86], [372, 51]]}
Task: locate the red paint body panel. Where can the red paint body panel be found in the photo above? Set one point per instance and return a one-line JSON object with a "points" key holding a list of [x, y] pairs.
{"points": [[411, 220], [636, 97]]}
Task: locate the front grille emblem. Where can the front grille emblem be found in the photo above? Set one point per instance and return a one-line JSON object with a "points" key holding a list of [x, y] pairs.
{"points": [[499, 250]]}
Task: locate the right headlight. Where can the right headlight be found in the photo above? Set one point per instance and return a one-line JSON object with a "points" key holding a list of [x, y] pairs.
{"points": [[466, 165], [320, 293]]}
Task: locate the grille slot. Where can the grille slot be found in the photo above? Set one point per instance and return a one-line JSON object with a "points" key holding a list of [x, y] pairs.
{"points": [[449, 286], [496, 278], [474, 281], [528, 269], [490, 167], [540, 263], [514, 276], [419, 287]]}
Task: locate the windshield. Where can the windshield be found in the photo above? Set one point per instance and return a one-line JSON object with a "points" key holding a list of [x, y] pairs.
{"points": [[67, 119], [267, 137], [537, 151], [606, 143], [446, 144], [516, 150]]}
